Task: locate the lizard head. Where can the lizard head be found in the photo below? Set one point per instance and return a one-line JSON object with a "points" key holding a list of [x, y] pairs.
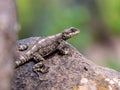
{"points": [[68, 33]]}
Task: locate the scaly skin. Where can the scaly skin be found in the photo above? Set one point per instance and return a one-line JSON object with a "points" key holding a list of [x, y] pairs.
{"points": [[43, 47]]}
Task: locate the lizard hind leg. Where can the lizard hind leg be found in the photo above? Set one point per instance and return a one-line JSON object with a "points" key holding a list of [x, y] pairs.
{"points": [[40, 66]]}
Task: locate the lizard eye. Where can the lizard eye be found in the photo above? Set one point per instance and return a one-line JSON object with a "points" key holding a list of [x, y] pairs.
{"points": [[73, 30]]}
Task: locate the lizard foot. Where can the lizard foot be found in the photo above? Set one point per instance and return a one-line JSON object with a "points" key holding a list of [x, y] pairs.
{"points": [[40, 67]]}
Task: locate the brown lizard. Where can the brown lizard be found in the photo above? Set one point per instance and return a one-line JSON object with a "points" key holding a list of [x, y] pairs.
{"points": [[43, 47]]}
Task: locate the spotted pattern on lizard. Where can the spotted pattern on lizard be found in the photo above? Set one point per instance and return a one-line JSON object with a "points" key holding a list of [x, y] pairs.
{"points": [[43, 47]]}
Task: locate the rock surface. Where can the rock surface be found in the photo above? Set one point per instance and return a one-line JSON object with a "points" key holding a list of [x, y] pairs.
{"points": [[66, 72]]}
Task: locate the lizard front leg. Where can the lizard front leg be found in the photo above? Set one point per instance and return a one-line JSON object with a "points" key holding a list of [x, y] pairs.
{"points": [[63, 49], [40, 66]]}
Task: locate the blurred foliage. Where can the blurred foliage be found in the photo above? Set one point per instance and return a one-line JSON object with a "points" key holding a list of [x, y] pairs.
{"points": [[43, 17], [110, 12], [113, 64]]}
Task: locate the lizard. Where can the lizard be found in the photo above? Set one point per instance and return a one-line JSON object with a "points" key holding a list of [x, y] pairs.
{"points": [[41, 47]]}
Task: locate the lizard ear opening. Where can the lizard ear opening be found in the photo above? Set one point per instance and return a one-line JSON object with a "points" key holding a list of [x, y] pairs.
{"points": [[65, 35]]}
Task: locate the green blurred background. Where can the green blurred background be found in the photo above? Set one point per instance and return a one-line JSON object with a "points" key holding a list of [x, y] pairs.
{"points": [[98, 21]]}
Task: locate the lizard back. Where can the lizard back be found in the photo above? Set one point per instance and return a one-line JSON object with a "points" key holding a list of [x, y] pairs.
{"points": [[45, 46]]}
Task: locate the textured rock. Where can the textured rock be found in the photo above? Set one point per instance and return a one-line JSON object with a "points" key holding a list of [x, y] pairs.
{"points": [[66, 72]]}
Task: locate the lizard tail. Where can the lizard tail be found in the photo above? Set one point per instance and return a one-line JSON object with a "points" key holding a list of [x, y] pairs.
{"points": [[22, 60]]}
